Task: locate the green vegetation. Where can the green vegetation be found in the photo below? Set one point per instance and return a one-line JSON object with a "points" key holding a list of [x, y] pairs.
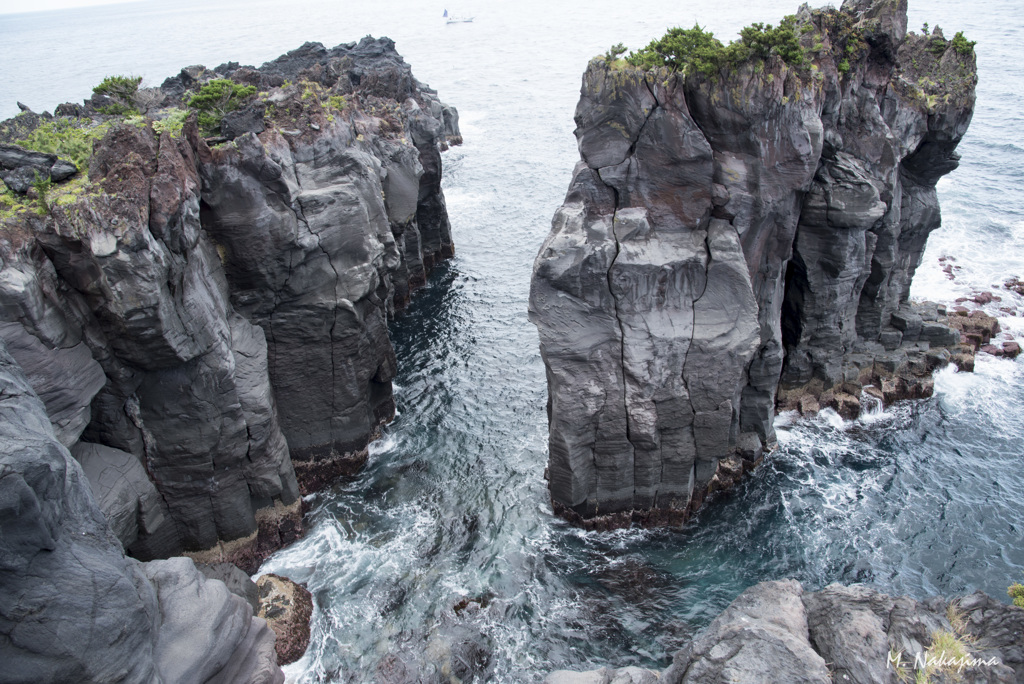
{"points": [[66, 138], [337, 102], [614, 52], [937, 44], [42, 185], [215, 99], [10, 204], [121, 90], [843, 66], [1016, 592], [696, 50], [962, 46], [311, 90], [946, 651], [173, 122], [956, 616]]}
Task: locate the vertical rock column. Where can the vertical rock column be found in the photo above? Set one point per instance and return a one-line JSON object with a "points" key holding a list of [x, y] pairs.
{"points": [[724, 232]]}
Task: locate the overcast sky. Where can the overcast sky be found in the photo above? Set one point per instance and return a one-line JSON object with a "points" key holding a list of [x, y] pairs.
{"points": [[18, 6]]}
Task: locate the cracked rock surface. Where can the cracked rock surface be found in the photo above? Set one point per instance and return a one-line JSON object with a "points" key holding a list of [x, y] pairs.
{"points": [[73, 607], [733, 240], [179, 325], [776, 632], [200, 316]]}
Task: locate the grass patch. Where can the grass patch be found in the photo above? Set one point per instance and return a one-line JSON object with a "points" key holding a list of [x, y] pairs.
{"points": [[67, 138], [173, 122], [12, 205]]}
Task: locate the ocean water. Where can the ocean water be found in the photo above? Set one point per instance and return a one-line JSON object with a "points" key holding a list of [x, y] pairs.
{"points": [[925, 498]]}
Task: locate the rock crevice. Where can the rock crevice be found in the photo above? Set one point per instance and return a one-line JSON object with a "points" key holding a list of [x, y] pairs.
{"points": [[205, 319], [756, 231]]}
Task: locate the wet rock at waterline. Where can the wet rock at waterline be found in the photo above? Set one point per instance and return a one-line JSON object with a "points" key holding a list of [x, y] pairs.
{"points": [[776, 632], [734, 242], [287, 608]]}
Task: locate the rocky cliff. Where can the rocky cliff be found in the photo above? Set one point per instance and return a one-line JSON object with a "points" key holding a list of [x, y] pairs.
{"points": [[777, 632], [205, 316], [741, 231], [198, 294], [73, 607]]}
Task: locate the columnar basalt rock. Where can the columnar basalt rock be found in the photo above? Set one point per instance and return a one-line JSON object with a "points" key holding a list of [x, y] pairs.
{"points": [[213, 309], [736, 241], [73, 607], [326, 223], [181, 321]]}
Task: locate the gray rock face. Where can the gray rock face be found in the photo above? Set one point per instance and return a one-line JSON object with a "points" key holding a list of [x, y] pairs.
{"points": [[72, 606], [119, 308], [325, 223], [237, 582], [729, 240], [193, 317], [775, 632], [20, 168], [760, 638], [122, 490]]}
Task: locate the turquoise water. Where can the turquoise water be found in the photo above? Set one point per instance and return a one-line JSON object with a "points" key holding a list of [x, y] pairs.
{"points": [[926, 498]]}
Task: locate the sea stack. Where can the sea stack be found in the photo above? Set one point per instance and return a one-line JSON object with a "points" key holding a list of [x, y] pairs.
{"points": [[740, 233]]}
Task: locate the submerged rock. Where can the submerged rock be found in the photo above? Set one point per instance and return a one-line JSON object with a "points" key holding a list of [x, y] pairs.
{"points": [[739, 241]]}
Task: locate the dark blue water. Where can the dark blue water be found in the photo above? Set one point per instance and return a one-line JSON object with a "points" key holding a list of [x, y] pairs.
{"points": [[925, 498]]}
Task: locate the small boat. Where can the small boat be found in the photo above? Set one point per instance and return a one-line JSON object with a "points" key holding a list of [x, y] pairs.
{"points": [[452, 19]]}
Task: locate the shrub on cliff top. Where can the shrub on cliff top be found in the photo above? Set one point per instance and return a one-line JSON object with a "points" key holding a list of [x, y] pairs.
{"points": [[1016, 592], [614, 52], [66, 138], [215, 99], [121, 90], [963, 47], [681, 50], [697, 50]]}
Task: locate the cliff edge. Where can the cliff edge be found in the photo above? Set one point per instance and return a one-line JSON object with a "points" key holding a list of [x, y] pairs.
{"points": [[741, 232], [203, 307], [195, 285]]}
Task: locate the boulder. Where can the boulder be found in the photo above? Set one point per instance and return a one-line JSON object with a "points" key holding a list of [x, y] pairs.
{"points": [[287, 608], [776, 632], [237, 582], [249, 119], [760, 638]]}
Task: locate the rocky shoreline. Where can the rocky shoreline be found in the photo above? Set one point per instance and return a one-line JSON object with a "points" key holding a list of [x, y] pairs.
{"points": [[198, 295], [777, 632]]}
